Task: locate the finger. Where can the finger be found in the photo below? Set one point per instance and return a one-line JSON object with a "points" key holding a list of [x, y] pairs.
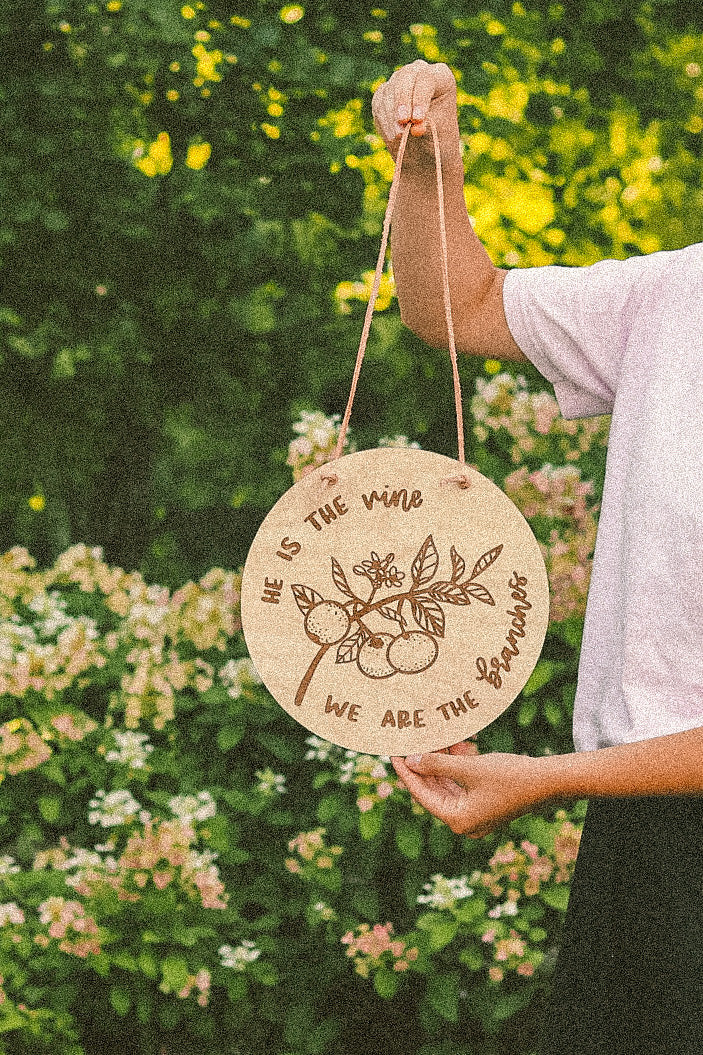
{"points": [[431, 82], [438, 765], [411, 90], [383, 112], [425, 792]]}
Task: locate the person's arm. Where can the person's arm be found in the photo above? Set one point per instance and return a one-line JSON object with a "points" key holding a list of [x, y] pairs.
{"points": [[474, 794], [475, 284]]}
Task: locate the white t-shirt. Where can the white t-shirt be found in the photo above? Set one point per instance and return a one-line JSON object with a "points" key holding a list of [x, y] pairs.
{"points": [[625, 337]]}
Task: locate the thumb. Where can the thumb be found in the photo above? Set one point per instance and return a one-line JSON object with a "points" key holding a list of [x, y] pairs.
{"points": [[435, 764]]}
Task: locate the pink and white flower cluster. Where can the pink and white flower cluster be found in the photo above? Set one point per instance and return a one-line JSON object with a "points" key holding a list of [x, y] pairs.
{"points": [[69, 921], [371, 948], [46, 651], [157, 854], [370, 775], [531, 421], [314, 443], [559, 494], [516, 873], [312, 851], [199, 981]]}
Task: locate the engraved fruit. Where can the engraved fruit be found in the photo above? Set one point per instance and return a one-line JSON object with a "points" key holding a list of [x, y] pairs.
{"points": [[327, 623], [412, 651], [373, 660]]}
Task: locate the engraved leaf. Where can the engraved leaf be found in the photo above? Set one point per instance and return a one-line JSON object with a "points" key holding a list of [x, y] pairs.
{"points": [[485, 561], [428, 614], [348, 651], [458, 565], [449, 592], [388, 612], [340, 579], [474, 589], [425, 564], [305, 597]]}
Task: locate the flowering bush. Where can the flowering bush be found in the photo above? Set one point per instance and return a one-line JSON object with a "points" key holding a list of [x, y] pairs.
{"points": [[175, 845]]}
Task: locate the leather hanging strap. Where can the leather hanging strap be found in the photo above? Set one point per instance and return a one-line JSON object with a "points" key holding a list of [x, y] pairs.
{"points": [[462, 478]]}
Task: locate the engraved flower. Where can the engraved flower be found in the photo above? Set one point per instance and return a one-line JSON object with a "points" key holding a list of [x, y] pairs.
{"points": [[380, 572]]}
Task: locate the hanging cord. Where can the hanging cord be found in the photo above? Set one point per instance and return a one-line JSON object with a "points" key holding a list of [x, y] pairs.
{"points": [[462, 479]]}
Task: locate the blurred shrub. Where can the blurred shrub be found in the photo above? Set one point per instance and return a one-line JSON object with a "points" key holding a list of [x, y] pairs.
{"points": [[191, 204], [183, 863]]}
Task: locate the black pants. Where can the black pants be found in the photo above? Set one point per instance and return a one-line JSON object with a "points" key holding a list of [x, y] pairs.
{"points": [[629, 977]]}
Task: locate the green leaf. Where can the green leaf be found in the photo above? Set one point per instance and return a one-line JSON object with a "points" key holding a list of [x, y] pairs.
{"points": [[147, 964], [125, 960], [144, 1007], [51, 769], [537, 830], [365, 903], [527, 712], [10, 1020], [329, 806], [568, 695], [440, 840], [386, 983], [298, 1025], [229, 736], [120, 999], [442, 934], [556, 896], [537, 934], [472, 958], [553, 713], [470, 910], [49, 807], [572, 631], [428, 920], [101, 963], [543, 673], [370, 824], [408, 839], [506, 1005], [443, 995], [175, 972], [282, 747]]}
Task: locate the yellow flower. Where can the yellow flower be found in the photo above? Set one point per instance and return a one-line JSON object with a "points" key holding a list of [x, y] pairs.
{"points": [[37, 503], [159, 156], [491, 366], [291, 13], [187, 12], [198, 155]]}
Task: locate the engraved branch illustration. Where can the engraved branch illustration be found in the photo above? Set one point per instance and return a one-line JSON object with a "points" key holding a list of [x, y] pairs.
{"points": [[379, 653]]}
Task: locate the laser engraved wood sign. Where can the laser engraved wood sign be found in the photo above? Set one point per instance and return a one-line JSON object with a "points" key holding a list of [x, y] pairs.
{"points": [[391, 604], [390, 612]]}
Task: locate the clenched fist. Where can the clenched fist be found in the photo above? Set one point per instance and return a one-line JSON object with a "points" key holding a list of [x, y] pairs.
{"points": [[409, 96]]}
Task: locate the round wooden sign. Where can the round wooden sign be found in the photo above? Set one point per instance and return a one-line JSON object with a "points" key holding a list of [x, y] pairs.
{"points": [[392, 612]]}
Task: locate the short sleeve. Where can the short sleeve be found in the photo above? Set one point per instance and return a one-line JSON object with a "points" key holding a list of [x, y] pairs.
{"points": [[574, 323]]}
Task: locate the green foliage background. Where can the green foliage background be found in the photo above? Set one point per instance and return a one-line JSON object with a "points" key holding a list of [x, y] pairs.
{"points": [[166, 312], [154, 416]]}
